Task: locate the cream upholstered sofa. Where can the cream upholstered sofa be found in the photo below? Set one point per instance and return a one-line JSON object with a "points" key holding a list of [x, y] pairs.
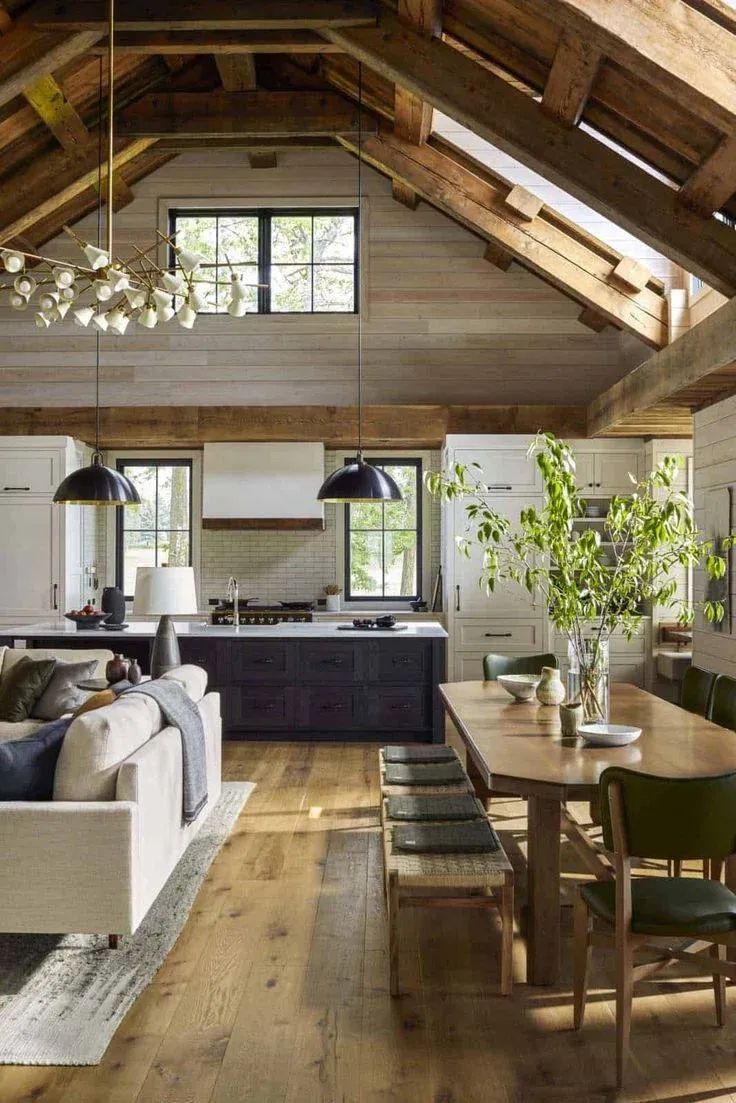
{"points": [[93, 859]]}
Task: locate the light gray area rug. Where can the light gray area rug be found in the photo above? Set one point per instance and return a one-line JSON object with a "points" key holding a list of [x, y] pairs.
{"points": [[62, 997]]}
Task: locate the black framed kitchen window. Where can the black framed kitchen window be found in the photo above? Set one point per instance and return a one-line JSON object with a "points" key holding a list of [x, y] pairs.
{"points": [[158, 532], [383, 540], [298, 260]]}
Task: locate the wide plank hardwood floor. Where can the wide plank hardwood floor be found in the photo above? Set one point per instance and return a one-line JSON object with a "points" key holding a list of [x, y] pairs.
{"points": [[277, 989]]}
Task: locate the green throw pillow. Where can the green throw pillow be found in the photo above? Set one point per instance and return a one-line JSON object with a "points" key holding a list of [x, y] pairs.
{"points": [[21, 687]]}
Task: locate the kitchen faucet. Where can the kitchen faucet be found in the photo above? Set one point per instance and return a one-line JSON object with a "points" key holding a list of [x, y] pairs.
{"points": [[232, 595]]}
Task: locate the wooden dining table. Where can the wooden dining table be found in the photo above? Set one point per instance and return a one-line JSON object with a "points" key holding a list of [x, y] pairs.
{"points": [[518, 748]]}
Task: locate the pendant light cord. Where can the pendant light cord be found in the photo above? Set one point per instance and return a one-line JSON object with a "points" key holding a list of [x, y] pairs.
{"points": [[99, 243], [360, 257], [110, 112]]}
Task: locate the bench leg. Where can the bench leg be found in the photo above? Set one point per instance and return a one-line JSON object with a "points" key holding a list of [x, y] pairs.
{"points": [[112, 942], [507, 939], [393, 932]]}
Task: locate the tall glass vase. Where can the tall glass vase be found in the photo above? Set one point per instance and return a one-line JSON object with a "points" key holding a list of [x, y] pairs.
{"points": [[588, 678]]}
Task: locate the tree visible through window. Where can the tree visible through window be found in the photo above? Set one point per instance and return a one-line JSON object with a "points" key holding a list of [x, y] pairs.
{"points": [[305, 261], [383, 540], [158, 532]]}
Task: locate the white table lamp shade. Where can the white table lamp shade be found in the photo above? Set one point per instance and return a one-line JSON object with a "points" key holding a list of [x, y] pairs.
{"points": [[165, 591]]}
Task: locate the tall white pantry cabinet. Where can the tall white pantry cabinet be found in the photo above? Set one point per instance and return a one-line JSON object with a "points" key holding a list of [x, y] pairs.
{"points": [[42, 569], [511, 621]]}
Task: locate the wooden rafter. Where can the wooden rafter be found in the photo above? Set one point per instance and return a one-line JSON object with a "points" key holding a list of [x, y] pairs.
{"points": [[218, 42], [27, 56], [707, 348], [571, 78], [237, 72], [714, 181], [174, 15], [241, 114], [571, 158], [473, 199], [412, 115]]}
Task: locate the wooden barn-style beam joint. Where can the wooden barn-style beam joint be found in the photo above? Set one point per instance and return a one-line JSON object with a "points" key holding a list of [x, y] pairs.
{"points": [[571, 78]]}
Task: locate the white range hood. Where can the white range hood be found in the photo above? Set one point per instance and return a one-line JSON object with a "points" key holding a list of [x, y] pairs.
{"points": [[263, 486]]}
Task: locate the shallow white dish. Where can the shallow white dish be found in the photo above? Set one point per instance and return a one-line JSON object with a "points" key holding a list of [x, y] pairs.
{"points": [[609, 735], [520, 686]]}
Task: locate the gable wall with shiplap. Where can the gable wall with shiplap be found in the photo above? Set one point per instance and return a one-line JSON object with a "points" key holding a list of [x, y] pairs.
{"points": [[441, 325], [714, 466]]}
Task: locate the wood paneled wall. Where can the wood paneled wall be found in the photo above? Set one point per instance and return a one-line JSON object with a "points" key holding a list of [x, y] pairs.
{"points": [[442, 325]]}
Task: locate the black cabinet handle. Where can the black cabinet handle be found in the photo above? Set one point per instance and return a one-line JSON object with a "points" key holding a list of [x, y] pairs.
{"points": [[499, 486], [16, 488], [264, 708], [403, 660], [332, 662], [264, 662], [498, 635], [55, 589], [401, 708], [457, 600], [332, 708]]}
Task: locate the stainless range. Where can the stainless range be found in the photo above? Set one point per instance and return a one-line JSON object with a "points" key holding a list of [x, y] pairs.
{"points": [[294, 612]]}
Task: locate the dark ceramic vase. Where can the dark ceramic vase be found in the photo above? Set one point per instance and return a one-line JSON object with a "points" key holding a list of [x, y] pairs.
{"points": [[113, 602], [116, 669], [134, 672]]}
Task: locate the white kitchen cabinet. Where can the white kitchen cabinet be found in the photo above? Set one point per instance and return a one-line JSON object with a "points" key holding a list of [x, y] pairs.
{"points": [[41, 544], [606, 472], [470, 598], [504, 471]]}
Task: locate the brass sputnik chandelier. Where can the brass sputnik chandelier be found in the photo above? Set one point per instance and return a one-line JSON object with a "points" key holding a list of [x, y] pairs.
{"points": [[108, 292]]}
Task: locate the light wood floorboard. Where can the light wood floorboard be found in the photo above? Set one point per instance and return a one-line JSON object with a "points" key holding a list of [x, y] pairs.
{"points": [[277, 989]]}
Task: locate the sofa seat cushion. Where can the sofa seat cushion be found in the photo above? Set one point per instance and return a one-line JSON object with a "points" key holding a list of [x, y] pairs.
{"points": [[62, 693], [98, 742], [27, 765], [22, 686], [20, 730]]}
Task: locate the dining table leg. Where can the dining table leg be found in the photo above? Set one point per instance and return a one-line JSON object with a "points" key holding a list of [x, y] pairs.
{"points": [[543, 864]]}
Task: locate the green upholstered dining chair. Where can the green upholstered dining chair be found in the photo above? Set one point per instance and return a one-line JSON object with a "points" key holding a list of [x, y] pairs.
{"points": [[656, 817], [493, 665], [723, 702], [697, 690]]}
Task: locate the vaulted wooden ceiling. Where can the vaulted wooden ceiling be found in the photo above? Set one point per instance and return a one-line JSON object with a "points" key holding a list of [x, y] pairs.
{"points": [[629, 106]]}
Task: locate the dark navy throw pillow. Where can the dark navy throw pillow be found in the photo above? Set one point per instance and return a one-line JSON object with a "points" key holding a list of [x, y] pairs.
{"points": [[27, 765]]}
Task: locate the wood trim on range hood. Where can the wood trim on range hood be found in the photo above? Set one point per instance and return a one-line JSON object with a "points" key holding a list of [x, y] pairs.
{"points": [[257, 524]]}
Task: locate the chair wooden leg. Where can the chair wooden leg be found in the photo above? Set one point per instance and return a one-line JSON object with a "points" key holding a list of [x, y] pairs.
{"points": [[719, 984], [624, 995], [112, 942], [507, 939], [676, 867], [715, 871], [581, 960], [393, 933]]}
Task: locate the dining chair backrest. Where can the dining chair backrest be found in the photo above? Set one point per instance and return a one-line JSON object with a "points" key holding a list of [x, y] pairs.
{"points": [[667, 817], [493, 665], [697, 689], [723, 702]]}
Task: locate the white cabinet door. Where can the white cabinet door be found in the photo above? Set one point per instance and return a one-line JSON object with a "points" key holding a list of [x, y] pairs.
{"points": [[585, 471], [469, 597], [613, 472], [29, 471], [503, 471], [30, 585]]}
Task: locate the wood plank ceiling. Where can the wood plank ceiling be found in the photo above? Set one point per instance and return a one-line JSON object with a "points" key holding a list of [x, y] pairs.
{"points": [[631, 107]]}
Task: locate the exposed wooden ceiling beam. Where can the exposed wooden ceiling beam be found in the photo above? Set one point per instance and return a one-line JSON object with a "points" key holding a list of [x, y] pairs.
{"points": [[337, 426], [237, 72], [571, 158], [242, 114], [51, 181], [707, 347], [218, 42], [714, 181], [182, 15], [679, 50], [571, 78], [27, 55], [537, 243], [178, 144], [412, 115]]}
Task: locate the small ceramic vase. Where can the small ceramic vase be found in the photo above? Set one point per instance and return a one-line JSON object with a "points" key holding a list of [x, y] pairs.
{"points": [[332, 603], [134, 672], [550, 690], [116, 669], [571, 717]]}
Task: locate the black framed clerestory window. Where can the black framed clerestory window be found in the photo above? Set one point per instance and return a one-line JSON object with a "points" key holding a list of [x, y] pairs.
{"points": [[305, 259], [383, 540], [158, 532]]}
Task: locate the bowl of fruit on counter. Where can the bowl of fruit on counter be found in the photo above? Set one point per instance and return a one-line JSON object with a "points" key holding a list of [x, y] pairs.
{"points": [[87, 617]]}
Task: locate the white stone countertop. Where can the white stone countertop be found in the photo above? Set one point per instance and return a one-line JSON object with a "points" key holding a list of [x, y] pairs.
{"points": [[184, 629]]}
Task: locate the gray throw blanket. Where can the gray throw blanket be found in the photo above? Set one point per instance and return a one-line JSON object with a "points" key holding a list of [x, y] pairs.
{"points": [[181, 712]]}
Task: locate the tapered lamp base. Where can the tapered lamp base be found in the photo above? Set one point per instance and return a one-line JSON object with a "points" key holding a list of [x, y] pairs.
{"points": [[165, 654]]}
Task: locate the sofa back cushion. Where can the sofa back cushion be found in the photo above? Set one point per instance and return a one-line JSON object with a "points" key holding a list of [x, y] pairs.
{"points": [[11, 655], [97, 742], [192, 678]]}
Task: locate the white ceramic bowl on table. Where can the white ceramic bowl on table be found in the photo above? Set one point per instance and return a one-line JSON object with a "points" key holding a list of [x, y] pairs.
{"points": [[609, 735], [520, 686]]}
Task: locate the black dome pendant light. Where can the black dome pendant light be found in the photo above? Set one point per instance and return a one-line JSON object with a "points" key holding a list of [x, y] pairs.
{"points": [[97, 485], [359, 481]]}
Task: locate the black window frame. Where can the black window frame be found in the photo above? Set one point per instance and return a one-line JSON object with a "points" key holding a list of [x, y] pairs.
{"points": [[392, 599], [120, 529], [264, 216]]}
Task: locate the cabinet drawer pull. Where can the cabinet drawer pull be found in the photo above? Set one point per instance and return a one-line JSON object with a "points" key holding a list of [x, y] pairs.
{"points": [[263, 662], [498, 635], [332, 662], [55, 592], [264, 708], [332, 708], [401, 708], [16, 488], [457, 599], [404, 660], [499, 486]]}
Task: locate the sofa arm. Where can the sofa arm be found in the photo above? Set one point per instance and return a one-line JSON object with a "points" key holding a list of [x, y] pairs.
{"points": [[68, 866]]}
